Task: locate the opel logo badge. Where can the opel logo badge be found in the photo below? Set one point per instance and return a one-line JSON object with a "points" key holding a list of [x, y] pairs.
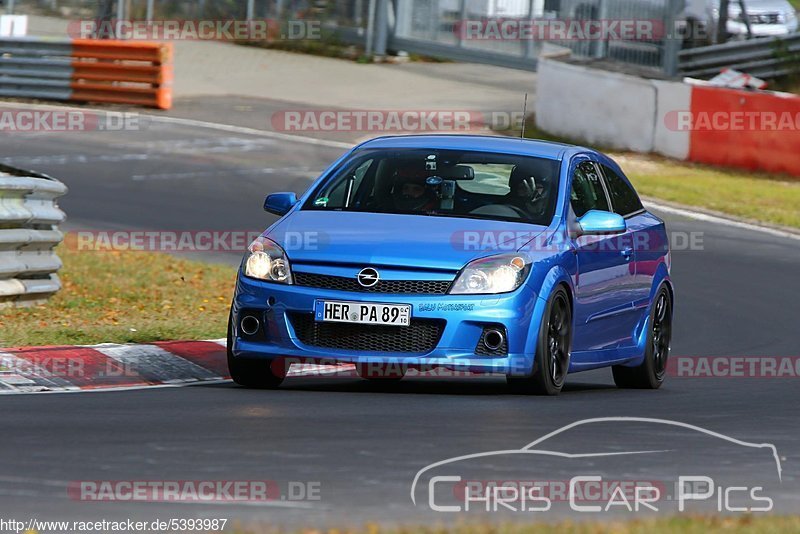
{"points": [[368, 277]]}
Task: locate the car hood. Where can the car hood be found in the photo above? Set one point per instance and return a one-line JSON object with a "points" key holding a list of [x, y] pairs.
{"points": [[762, 6], [409, 241]]}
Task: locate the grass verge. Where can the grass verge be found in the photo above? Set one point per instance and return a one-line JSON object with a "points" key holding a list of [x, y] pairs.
{"points": [[761, 197], [756, 196], [122, 297], [677, 525]]}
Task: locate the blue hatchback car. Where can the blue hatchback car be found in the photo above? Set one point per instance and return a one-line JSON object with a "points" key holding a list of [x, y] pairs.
{"points": [[467, 253]]}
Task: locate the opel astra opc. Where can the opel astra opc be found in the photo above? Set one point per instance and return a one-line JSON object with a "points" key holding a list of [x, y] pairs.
{"points": [[467, 253]]}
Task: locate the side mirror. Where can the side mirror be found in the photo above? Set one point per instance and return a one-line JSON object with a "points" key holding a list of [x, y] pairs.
{"points": [[280, 203], [601, 222]]}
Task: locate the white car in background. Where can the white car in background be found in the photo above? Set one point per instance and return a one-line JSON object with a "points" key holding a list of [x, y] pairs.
{"points": [[767, 18]]}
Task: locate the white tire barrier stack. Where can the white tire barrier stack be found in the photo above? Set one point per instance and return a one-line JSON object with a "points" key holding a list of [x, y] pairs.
{"points": [[29, 219]]}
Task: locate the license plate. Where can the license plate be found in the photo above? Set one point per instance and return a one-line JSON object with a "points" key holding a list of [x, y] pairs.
{"points": [[362, 312]]}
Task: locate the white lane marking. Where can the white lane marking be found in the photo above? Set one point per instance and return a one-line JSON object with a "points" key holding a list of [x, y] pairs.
{"points": [[64, 159], [119, 388], [252, 131], [197, 124], [151, 150], [338, 144], [719, 220], [226, 172]]}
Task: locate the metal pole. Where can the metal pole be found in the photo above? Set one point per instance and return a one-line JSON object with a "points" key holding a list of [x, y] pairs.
{"points": [[672, 43], [10, 7], [722, 23], [529, 42], [600, 47], [370, 28], [149, 14], [402, 26], [359, 7], [462, 19], [250, 9], [382, 27], [746, 19], [120, 15]]}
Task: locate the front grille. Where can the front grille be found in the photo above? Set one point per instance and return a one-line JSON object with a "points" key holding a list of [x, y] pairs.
{"points": [[421, 336], [764, 18], [341, 283]]}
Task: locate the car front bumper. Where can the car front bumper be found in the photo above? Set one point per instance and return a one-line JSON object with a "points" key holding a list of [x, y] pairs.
{"points": [[461, 320]]}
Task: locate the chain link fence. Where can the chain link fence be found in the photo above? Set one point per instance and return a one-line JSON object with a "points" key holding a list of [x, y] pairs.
{"points": [[503, 32]]}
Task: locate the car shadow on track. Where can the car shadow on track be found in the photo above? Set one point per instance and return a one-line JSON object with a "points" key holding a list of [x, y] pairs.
{"points": [[487, 386]]}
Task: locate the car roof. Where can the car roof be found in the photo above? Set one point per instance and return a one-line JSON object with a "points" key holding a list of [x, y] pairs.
{"points": [[477, 143]]}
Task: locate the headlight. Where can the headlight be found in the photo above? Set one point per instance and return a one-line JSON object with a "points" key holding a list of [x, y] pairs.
{"points": [[495, 274], [265, 260]]}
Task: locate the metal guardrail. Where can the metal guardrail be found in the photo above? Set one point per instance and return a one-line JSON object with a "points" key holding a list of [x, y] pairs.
{"points": [[87, 70], [29, 219], [771, 57]]}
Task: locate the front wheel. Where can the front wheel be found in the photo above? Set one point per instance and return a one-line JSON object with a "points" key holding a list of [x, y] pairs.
{"points": [[250, 373], [650, 374], [551, 363]]}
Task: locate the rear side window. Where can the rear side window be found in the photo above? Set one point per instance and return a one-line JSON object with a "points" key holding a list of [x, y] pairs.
{"points": [[623, 198], [587, 190]]}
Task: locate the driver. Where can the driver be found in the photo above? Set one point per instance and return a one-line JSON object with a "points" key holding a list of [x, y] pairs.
{"points": [[411, 194], [524, 192]]}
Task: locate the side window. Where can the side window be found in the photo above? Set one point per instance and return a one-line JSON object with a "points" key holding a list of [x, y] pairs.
{"points": [[587, 190], [623, 198], [335, 197]]}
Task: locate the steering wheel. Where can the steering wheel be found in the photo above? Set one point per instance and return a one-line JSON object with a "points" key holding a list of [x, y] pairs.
{"points": [[500, 210]]}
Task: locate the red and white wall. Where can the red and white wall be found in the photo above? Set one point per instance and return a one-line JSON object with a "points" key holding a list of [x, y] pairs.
{"points": [[730, 127]]}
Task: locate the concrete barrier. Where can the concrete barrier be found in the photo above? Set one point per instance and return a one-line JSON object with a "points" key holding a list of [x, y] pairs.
{"points": [[682, 120], [599, 107], [671, 99], [29, 219]]}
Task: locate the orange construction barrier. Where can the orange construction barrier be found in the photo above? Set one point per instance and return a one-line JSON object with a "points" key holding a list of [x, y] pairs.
{"points": [[122, 72]]}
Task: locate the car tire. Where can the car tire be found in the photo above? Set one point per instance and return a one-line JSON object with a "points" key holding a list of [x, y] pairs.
{"points": [[651, 372], [551, 363], [257, 374]]}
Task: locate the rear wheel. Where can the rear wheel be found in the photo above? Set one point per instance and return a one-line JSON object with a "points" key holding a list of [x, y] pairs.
{"points": [[551, 363], [650, 374], [250, 373]]}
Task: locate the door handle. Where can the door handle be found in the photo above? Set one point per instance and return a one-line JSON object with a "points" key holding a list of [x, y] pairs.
{"points": [[626, 252]]}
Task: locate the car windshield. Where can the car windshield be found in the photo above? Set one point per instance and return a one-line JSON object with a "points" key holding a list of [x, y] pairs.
{"points": [[447, 183]]}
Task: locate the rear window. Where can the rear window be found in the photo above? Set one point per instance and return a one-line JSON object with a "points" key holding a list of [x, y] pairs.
{"points": [[624, 199]]}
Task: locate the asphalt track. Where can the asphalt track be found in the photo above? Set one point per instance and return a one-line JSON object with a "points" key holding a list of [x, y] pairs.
{"points": [[364, 442]]}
